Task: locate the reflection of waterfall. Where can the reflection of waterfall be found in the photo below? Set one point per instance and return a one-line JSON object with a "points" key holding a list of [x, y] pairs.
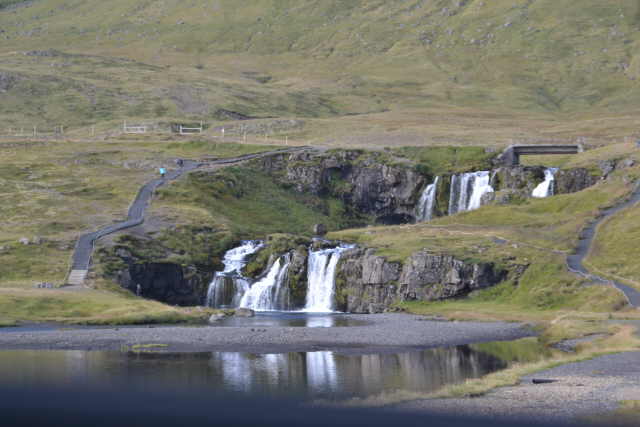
{"points": [[270, 293], [467, 191], [427, 202], [228, 286], [546, 188], [321, 280], [321, 371]]}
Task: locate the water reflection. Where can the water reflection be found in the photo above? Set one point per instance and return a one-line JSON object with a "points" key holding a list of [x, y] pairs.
{"points": [[314, 374], [282, 319]]}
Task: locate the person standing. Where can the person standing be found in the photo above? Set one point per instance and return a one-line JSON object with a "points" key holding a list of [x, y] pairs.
{"points": [[163, 172], [138, 290]]}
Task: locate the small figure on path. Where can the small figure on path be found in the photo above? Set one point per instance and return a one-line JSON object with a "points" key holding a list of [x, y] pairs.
{"points": [[163, 171], [138, 290], [180, 163]]}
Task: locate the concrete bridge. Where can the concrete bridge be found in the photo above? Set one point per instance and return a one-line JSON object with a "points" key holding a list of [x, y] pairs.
{"points": [[511, 156]]}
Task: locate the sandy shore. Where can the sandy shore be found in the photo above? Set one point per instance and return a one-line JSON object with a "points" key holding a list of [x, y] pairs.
{"points": [[581, 389], [379, 333]]}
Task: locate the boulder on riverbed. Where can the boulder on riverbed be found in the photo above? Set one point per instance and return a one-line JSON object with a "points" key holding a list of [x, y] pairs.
{"points": [[245, 312], [215, 318]]}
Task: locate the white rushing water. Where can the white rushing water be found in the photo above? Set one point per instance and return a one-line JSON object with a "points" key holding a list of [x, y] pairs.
{"points": [[467, 191], [321, 277], [547, 187], [269, 293], [228, 286], [427, 202]]}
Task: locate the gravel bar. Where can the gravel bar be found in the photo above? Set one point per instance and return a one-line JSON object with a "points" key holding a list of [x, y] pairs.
{"points": [[380, 333], [578, 390]]}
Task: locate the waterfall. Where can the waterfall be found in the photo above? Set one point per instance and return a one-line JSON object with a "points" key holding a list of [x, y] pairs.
{"points": [[481, 186], [546, 188], [228, 286], [270, 293], [321, 279], [467, 191], [427, 202]]}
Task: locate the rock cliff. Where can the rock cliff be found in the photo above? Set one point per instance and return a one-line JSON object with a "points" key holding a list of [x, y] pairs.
{"points": [[369, 183], [368, 283]]}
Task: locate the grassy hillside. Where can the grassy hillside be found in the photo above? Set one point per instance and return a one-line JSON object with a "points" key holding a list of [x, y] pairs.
{"points": [[539, 233], [410, 70]]}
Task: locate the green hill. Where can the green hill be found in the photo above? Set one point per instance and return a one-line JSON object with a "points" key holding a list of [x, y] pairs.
{"points": [[397, 62]]}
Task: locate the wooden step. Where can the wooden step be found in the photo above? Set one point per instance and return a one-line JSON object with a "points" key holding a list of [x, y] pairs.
{"points": [[76, 277]]}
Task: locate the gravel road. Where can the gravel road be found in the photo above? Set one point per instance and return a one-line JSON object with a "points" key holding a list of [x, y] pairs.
{"points": [[380, 333]]}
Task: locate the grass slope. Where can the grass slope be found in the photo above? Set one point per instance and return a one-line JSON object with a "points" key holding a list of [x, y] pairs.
{"points": [[538, 233], [50, 200], [412, 70]]}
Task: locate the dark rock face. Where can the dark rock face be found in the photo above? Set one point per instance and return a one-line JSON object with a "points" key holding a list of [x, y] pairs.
{"points": [[297, 278], [520, 181], [574, 180], [7, 81], [521, 178], [162, 281], [363, 181], [433, 277], [368, 283]]}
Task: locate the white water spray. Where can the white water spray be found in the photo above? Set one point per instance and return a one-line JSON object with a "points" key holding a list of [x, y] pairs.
{"points": [[228, 286], [321, 279], [547, 187], [467, 191], [269, 293], [427, 202]]}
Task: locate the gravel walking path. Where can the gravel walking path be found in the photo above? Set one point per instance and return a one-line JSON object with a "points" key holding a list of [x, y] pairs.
{"points": [[135, 216], [575, 262]]}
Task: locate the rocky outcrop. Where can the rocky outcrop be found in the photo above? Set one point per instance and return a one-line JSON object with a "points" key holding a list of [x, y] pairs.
{"points": [[367, 182], [163, 281], [520, 181], [7, 81], [368, 283], [574, 180]]}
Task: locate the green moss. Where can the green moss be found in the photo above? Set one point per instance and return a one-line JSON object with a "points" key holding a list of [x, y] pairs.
{"points": [[251, 204], [438, 161]]}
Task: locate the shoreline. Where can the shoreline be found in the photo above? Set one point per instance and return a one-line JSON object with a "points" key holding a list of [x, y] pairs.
{"points": [[381, 333]]}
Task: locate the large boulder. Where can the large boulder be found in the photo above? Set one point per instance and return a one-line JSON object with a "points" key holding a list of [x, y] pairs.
{"points": [[7, 81]]}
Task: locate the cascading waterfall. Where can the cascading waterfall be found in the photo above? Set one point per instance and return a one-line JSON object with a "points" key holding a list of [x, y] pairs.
{"points": [[467, 191], [269, 293], [547, 187], [321, 279], [228, 286], [427, 202]]}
